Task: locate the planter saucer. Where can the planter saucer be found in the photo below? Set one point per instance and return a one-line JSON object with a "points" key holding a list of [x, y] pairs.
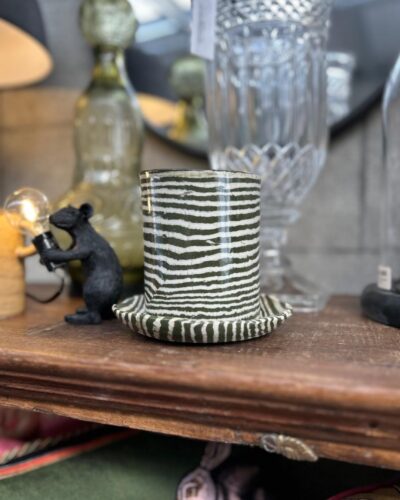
{"points": [[132, 313]]}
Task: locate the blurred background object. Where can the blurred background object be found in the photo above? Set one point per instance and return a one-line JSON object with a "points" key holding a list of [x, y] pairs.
{"points": [[381, 301], [340, 74], [336, 239], [24, 60], [108, 133], [187, 81], [182, 123]]}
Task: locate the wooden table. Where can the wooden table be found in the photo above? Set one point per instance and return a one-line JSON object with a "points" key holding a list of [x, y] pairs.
{"points": [[323, 385]]}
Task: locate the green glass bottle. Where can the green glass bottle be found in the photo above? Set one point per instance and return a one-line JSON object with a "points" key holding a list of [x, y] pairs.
{"points": [[108, 139]]}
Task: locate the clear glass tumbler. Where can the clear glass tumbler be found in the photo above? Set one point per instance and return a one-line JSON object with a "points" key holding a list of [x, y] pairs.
{"points": [[267, 113]]}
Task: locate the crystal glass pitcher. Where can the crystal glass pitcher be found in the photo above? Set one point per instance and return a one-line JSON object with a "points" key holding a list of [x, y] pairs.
{"points": [[267, 112]]}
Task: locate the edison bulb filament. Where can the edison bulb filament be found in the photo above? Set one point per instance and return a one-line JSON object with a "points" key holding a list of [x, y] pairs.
{"points": [[27, 209]]}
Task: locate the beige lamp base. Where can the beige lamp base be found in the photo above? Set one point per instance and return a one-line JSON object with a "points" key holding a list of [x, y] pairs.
{"points": [[12, 271], [12, 286]]}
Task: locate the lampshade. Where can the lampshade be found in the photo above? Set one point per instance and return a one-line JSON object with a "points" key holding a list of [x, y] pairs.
{"points": [[23, 60]]}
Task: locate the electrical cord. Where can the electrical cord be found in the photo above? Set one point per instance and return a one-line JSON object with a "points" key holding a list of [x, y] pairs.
{"points": [[54, 296]]}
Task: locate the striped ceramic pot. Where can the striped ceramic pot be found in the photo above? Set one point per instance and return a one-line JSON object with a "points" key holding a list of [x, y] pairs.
{"points": [[201, 233], [201, 236]]}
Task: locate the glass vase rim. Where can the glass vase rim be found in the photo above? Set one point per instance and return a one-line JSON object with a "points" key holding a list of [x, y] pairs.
{"points": [[306, 19]]}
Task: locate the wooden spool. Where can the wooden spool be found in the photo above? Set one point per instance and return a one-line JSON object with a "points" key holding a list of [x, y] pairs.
{"points": [[12, 269]]}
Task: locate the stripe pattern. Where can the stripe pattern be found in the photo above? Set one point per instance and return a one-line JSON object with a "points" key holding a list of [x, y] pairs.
{"points": [[201, 235], [133, 313]]}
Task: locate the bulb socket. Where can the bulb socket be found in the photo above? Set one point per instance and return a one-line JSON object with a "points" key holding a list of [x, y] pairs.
{"points": [[46, 241]]}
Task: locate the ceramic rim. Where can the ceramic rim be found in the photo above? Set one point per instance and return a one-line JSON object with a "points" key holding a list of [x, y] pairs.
{"points": [[132, 313]]}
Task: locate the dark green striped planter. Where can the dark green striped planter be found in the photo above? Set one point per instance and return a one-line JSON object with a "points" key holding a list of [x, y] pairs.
{"points": [[201, 250], [132, 312], [201, 244]]}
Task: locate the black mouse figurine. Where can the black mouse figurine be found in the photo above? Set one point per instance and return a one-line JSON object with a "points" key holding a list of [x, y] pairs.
{"points": [[102, 272]]}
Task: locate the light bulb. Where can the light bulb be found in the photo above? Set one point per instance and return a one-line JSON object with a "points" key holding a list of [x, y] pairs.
{"points": [[28, 210]]}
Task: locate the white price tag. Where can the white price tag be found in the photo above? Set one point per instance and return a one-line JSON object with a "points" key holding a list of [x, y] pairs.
{"points": [[204, 19], [385, 277]]}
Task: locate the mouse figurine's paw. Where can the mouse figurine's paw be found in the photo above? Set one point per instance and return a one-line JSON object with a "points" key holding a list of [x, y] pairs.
{"points": [[48, 255], [84, 318]]}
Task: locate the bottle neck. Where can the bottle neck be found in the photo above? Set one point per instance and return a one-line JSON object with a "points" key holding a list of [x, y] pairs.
{"points": [[109, 67], [108, 126]]}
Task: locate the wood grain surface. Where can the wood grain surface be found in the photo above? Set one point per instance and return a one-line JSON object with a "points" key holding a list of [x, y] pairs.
{"points": [[330, 379]]}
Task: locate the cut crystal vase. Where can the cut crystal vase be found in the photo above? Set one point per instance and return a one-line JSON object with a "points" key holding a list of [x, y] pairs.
{"points": [[267, 113]]}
